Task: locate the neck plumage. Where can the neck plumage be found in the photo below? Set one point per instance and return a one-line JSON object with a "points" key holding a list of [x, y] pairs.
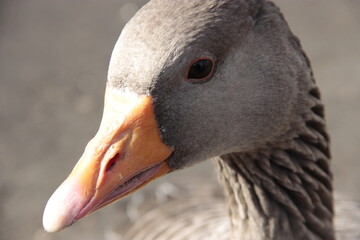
{"points": [[283, 191]]}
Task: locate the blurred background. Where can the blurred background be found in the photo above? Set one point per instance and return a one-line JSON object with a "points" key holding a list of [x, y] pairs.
{"points": [[53, 65]]}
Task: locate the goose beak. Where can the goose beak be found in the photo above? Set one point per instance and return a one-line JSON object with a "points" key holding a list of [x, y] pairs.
{"points": [[125, 154]]}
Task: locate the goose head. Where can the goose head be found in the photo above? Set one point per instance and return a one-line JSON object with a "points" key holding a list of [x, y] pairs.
{"points": [[187, 81]]}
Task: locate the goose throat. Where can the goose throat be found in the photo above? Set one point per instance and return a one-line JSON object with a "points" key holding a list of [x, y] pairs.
{"points": [[284, 190]]}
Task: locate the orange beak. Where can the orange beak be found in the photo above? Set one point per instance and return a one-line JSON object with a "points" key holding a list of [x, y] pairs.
{"points": [[126, 154]]}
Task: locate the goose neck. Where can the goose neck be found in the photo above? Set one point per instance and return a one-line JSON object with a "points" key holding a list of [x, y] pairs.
{"points": [[284, 192]]}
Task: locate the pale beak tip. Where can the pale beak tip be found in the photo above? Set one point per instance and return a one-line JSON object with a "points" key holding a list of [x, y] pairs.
{"points": [[53, 220], [52, 226], [62, 207]]}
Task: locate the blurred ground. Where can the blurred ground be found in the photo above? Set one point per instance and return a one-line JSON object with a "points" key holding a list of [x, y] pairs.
{"points": [[53, 63]]}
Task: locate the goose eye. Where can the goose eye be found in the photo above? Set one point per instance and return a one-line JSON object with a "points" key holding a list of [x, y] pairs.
{"points": [[200, 70]]}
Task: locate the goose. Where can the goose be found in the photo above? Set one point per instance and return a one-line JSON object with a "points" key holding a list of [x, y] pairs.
{"points": [[220, 79]]}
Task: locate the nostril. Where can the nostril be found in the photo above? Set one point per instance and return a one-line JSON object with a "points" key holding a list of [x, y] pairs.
{"points": [[110, 165]]}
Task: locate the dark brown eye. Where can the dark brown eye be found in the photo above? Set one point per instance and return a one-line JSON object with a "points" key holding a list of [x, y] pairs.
{"points": [[200, 70]]}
